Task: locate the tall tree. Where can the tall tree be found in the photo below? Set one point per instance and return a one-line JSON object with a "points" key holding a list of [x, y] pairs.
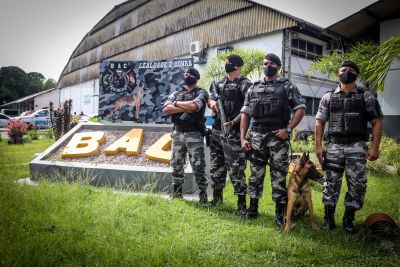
{"points": [[13, 83], [36, 81], [49, 84]]}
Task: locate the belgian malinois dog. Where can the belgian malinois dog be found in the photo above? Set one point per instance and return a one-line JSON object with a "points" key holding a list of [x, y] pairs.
{"points": [[299, 191]]}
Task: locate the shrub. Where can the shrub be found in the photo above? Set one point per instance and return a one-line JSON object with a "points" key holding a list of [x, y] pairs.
{"points": [[33, 134], [389, 158], [60, 119], [15, 130], [74, 120], [304, 146], [49, 133]]}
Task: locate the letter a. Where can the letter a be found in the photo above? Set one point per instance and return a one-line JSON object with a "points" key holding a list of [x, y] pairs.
{"points": [[130, 143]]}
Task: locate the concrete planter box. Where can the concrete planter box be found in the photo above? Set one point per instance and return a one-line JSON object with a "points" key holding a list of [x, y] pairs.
{"points": [[137, 178]]}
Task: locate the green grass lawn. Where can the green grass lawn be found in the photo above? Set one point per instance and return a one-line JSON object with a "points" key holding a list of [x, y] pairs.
{"points": [[70, 224]]}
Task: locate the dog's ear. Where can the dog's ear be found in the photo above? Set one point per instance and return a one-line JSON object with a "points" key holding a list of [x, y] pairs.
{"points": [[308, 154], [303, 159]]}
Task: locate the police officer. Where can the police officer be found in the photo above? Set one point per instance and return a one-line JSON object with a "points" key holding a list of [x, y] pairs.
{"points": [[348, 109], [186, 107], [225, 151], [269, 104]]}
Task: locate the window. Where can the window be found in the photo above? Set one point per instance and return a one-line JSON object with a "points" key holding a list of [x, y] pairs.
{"points": [[306, 49], [43, 113], [312, 105]]}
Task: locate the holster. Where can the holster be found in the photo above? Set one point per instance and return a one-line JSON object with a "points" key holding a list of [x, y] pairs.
{"points": [[207, 136]]}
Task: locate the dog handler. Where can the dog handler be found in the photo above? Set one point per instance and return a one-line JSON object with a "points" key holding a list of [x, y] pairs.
{"points": [[269, 103], [348, 109], [229, 157]]}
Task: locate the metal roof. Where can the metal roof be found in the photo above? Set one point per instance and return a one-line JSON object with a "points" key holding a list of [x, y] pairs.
{"points": [[27, 97], [365, 23]]}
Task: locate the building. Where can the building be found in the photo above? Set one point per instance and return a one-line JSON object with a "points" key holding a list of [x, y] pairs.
{"points": [[34, 101], [157, 29], [377, 23]]}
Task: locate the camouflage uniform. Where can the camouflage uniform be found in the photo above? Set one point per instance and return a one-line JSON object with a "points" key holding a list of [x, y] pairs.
{"points": [[269, 105], [187, 137], [346, 151], [225, 152]]}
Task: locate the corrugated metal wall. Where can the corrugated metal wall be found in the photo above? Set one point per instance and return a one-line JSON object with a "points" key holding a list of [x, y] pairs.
{"points": [[213, 22]]}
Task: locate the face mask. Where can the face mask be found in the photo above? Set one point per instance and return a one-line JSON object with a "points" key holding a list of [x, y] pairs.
{"points": [[189, 80], [229, 68], [270, 71], [347, 77]]}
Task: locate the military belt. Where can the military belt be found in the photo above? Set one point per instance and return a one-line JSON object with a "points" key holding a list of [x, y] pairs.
{"points": [[345, 140], [265, 128]]}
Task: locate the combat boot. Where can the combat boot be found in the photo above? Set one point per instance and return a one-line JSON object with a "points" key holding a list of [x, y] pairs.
{"points": [[241, 211], [177, 193], [252, 211], [329, 217], [203, 198], [218, 197], [348, 219], [279, 214]]}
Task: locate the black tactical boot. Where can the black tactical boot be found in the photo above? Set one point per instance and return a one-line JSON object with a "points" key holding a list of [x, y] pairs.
{"points": [[203, 198], [279, 214], [218, 197], [348, 219], [241, 211], [177, 193], [329, 217], [252, 211]]}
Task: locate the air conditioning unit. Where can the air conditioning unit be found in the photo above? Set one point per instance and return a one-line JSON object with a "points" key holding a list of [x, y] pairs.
{"points": [[196, 47]]}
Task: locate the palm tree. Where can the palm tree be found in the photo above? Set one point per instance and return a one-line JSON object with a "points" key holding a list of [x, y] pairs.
{"points": [[374, 61], [253, 60]]}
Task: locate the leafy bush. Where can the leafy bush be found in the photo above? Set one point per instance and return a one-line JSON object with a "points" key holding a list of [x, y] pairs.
{"points": [[302, 146], [60, 119], [33, 134], [49, 133], [389, 158], [94, 119], [15, 130], [74, 120]]}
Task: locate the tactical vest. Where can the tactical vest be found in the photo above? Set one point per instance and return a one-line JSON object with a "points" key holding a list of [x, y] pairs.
{"points": [[269, 104], [184, 118], [348, 116], [231, 96]]}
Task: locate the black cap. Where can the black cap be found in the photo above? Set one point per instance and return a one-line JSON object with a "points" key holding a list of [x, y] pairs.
{"points": [[194, 72], [274, 58], [351, 64], [235, 60]]}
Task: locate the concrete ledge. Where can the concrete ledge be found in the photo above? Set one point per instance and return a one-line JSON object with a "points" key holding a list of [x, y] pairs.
{"points": [[137, 178]]}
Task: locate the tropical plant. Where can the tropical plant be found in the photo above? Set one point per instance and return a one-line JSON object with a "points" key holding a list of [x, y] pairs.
{"points": [[15, 130], [374, 61], [253, 60], [33, 134], [60, 119]]}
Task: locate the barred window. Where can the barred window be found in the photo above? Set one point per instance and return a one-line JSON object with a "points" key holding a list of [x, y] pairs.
{"points": [[306, 49], [312, 104]]}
